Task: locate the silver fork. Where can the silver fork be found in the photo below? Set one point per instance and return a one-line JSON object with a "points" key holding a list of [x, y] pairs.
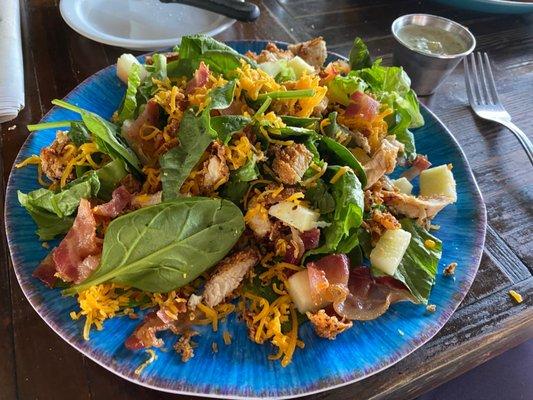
{"points": [[484, 100]]}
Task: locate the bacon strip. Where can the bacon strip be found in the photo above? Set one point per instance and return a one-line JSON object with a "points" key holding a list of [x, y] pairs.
{"points": [[328, 278], [120, 199], [420, 163], [370, 297], [362, 105], [46, 271], [79, 243], [200, 78]]}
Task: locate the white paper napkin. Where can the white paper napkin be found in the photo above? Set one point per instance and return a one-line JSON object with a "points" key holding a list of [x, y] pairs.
{"points": [[11, 66]]}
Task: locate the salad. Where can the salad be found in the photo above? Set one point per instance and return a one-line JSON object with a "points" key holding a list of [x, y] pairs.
{"points": [[254, 184]]}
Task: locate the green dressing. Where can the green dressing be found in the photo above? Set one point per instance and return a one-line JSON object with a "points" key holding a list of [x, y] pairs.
{"points": [[431, 40]]}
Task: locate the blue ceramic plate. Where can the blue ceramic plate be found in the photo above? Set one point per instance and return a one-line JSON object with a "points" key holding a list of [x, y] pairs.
{"points": [[492, 6], [242, 370]]}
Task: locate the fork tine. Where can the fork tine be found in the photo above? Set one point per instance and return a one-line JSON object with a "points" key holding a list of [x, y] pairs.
{"points": [[490, 79], [468, 82], [483, 80], [475, 79]]}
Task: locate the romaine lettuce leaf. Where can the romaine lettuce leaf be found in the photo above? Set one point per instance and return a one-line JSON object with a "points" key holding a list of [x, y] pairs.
{"points": [[341, 88], [129, 104], [419, 264], [359, 56], [341, 235]]}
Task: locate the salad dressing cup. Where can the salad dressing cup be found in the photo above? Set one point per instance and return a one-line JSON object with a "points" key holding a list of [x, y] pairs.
{"points": [[427, 68]]}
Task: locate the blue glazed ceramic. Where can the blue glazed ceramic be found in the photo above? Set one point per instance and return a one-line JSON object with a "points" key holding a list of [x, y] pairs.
{"points": [[242, 370], [492, 6]]}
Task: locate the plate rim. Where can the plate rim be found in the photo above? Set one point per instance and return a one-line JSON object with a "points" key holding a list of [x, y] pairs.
{"points": [[67, 9], [348, 379]]}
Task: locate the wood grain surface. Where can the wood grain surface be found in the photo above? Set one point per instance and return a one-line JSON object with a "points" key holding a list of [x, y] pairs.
{"points": [[37, 364]]}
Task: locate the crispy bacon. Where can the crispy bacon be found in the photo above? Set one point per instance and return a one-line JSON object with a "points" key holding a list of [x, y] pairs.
{"points": [[200, 78], [76, 256], [46, 271], [311, 238], [362, 105], [120, 199], [419, 164], [131, 130], [370, 297], [328, 278]]}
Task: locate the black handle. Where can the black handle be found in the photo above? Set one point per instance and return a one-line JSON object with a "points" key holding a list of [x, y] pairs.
{"points": [[239, 10]]}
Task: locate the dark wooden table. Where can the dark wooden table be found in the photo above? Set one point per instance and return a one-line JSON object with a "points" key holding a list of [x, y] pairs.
{"points": [[36, 364]]}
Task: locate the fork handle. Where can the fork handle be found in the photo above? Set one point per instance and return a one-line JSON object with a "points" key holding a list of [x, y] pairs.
{"points": [[522, 138]]}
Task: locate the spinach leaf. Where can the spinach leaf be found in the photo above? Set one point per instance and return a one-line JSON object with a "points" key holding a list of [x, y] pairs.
{"points": [[180, 68], [419, 264], [320, 197], [49, 225], [166, 246], [295, 132], [176, 164], [235, 190], [226, 125], [309, 123], [65, 202], [222, 96], [359, 55], [341, 235], [78, 133], [109, 176], [129, 104], [105, 135], [344, 156], [237, 185], [195, 135], [221, 58]]}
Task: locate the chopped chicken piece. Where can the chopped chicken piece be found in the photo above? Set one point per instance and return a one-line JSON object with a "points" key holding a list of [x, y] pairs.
{"points": [[215, 171], [229, 274], [326, 326], [291, 162], [383, 161], [194, 300], [52, 157], [145, 200], [361, 141], [271, 53], [313, 52], [422, 208]]}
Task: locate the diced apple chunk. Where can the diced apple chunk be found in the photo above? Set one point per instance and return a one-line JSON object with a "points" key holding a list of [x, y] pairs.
{"points": [[299, 217], [438, 181], [403, 185], [300, 292], [300, 67], [271, 67], [389, 250], [124, 63]]}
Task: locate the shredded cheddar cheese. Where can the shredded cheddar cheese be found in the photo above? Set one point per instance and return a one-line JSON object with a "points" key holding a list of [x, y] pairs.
{"points": [[338, 175]]}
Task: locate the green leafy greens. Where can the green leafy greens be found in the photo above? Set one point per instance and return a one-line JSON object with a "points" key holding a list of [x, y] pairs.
{"points": [[418, 267], [105, 135], [139, 250]]}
